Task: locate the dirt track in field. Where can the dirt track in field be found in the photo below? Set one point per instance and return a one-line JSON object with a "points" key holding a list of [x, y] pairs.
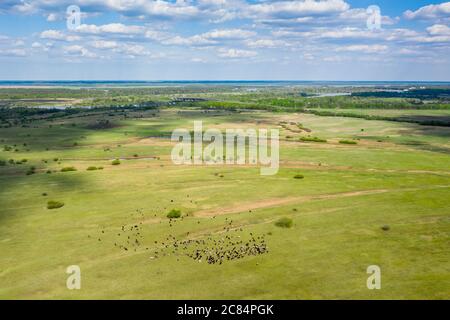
{"points": [[270, 203]]}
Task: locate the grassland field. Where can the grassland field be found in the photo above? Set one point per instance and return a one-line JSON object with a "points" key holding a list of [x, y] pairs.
{"points": [[382, 201]]}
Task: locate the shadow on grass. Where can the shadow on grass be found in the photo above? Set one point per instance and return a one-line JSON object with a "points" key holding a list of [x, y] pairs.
{"points": [[18, 188], [443, 121]]}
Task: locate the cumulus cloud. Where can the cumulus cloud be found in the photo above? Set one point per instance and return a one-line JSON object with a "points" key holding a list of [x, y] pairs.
{"points": [[236, 53], [266, 43], [188, 41], [212, 10], [133, 50], [328, 33], [148, 8], [439, 30], [376, 48], [304, 28], [129, 50], [52, 17], [104, 44], [430, 12], [112, 28], [58, 35], [211, 37], [36, 45], [224, 34], [297, 8], [78, 51]]}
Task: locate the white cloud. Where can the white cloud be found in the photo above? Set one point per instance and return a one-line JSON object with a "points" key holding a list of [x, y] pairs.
{"points": [[266, 43], [236, 53], [52, 17], [103, 44], [376, 48], [155, 35], [13, 52], [133, 50], [112, 28], [430, 12], [224, 34], [328, 33], [211, 37], [297, 8], [39, 46], [36, 45], [212, 10], [19, 43], [189, 41], [434, 39], [300, 28], [407, 52], [58, 35], [79, 51], [131, 8], [439, 30]]}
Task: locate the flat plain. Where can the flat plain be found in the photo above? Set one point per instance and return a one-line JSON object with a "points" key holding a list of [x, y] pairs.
{"points": [[382, 200]]}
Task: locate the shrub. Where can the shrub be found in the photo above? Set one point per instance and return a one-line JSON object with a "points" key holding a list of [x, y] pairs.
{"points": [[92, 168], [100, 168], [115, 162], [2, 163], [284, 223], [174, 214], [31, 171], [101, 124], [54, 204], [299, 176], [385, 228], [348, 142], [312, 139], [66, 169]]}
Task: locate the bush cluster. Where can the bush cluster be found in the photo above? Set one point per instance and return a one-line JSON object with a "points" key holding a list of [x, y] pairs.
{"points": [[67, 169], [174, 214], [284, 223], [54, 204]]}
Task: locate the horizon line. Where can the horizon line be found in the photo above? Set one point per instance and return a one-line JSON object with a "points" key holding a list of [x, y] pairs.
{"points": [[204, 80]]}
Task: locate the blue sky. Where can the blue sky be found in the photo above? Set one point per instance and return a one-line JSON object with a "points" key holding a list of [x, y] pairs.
{"points": [[225, 39]]}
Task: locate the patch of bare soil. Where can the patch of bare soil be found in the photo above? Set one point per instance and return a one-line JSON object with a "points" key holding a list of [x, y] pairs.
{"points": [[269, 203]]}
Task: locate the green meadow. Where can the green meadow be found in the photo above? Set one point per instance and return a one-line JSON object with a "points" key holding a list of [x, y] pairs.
{"points": [[382, 200]]}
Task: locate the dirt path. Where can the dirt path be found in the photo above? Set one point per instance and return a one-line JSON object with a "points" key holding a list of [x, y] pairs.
{"points": [[270, 203]]}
